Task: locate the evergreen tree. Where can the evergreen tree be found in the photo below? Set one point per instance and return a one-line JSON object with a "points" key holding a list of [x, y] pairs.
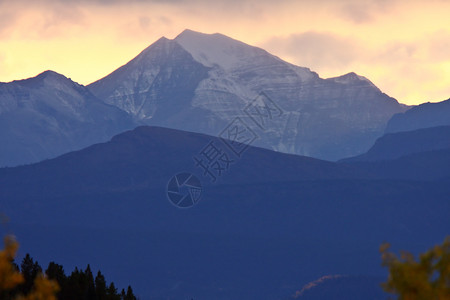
{"points": [[74, 290], [29, 283], [12, 282], [100, 286], [111, 292], [129, 295], [30, 271], [90, 286], [56, 272]]}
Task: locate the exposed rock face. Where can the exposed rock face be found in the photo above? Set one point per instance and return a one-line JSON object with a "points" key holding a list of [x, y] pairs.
{"points": [[200, 82], [48, 115]]}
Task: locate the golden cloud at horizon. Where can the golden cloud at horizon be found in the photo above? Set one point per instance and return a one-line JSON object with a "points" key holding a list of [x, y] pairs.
{"points": [[401, 46]]}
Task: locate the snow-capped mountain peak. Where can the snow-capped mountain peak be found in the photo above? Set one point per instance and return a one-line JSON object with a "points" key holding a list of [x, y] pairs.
{"points": [[48, 115], [51, 74], [201, 82], [352, 77], [217, 49], [44, 77]]}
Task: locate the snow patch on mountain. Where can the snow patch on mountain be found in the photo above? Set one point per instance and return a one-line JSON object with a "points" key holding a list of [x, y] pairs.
{"points": [[216, 49], [48, 115], [201, 82], [352, 78]]}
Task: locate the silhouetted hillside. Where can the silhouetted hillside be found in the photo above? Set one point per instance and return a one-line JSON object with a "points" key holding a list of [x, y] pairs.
{"points": [[396, 145], [422, 116], [269, 225]]}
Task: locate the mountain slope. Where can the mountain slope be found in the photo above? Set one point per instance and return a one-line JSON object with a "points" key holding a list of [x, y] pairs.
{"points": [[396, 145], [135, 157], [48, 115], [270, 224], [201, 83], [428, 165], [161, 74], [422, 116]]}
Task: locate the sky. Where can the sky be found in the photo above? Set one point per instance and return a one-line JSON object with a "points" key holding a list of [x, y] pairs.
{"points": [[402, 46]]}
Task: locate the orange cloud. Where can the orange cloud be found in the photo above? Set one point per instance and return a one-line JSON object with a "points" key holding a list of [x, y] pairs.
{"points": [[390, 42]]}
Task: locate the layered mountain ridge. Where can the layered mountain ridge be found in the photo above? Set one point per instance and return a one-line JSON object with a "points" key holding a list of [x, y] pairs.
{"points": [[199, 83], [426, 115], [45, 116], [395, 145], [270, 225], [216, 77]]}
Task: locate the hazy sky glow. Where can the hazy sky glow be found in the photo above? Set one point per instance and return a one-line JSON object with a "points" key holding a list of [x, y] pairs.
{"points": [[402, 46]]}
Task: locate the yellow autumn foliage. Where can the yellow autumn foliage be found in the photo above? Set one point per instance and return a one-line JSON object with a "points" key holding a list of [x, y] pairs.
{"points": [[427, 278], [44, 289], [9, 276]]}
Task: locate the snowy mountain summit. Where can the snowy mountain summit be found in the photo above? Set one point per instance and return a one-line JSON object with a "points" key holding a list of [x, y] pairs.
{"points": [[202, 82], [217, 50], [48, 115]]}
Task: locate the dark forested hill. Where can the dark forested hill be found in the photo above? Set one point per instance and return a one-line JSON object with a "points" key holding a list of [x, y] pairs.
{"points": [[425, 115], [267, 226], [396, 145]]}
